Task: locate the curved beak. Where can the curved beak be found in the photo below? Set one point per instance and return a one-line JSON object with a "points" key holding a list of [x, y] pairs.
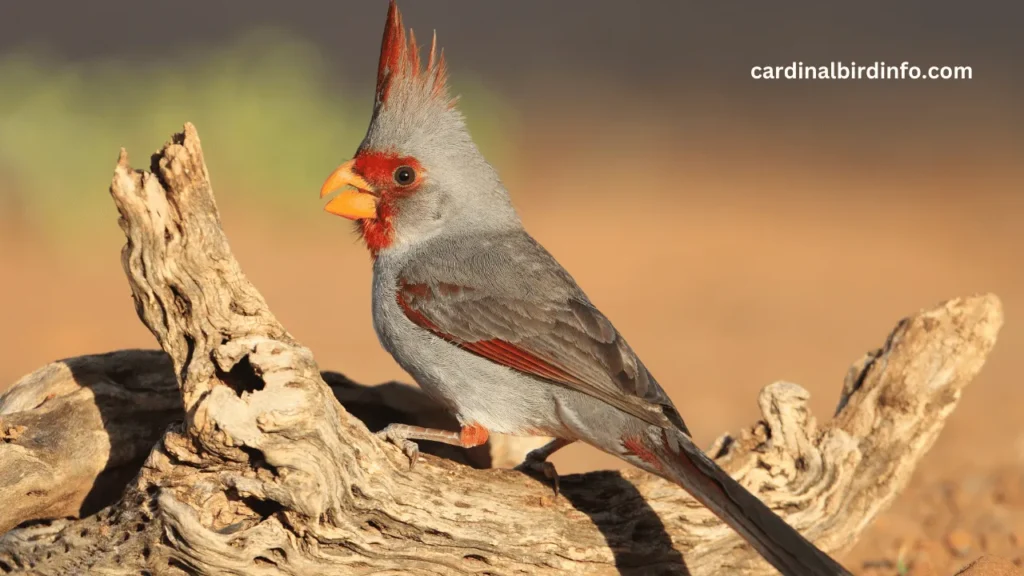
{"points": [[352, 204]]}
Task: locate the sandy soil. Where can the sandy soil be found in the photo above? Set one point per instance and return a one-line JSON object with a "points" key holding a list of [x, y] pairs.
{"points": [[748, 272]]}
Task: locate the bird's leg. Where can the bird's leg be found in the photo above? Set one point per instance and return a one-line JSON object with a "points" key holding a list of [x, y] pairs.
{"points": [[402, 435], [537, 460]]}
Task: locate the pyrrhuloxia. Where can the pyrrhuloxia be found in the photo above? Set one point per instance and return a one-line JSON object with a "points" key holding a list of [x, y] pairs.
{"points": [[489, 323]]}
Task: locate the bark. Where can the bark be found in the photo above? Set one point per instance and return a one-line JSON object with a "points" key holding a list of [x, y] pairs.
{"points": [[258, 469]]}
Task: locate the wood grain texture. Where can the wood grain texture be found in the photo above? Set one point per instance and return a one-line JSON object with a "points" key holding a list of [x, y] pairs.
{"points": [[267, 473]]}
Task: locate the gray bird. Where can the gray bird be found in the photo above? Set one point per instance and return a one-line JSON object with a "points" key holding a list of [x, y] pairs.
{"points": [[490, 324]]}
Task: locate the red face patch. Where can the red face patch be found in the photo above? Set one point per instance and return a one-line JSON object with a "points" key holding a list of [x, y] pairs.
{"points": [[378, 168], [392, 177]]}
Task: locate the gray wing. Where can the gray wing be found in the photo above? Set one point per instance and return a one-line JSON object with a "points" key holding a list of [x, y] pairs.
{"points": [[506, 299]]}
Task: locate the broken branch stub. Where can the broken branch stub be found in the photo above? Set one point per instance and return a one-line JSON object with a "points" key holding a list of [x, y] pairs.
{"points": [[270, 475]]}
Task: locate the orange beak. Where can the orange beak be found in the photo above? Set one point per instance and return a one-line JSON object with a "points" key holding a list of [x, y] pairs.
{"points": [[352, 204]]}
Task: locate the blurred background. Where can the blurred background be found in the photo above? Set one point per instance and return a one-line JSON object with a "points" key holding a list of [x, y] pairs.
{"points": [[737, 231]]}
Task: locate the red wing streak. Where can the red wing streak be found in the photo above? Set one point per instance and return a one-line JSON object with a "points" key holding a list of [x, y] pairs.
{"points": [[509, 355], [635, 445], [495, 350]]}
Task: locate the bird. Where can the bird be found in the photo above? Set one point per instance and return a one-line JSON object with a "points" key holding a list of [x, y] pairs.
{"points": [[488, 322]]}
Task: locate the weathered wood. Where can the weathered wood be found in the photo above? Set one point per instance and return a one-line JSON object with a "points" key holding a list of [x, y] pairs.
{"points": [[268, 474], [75, 432]]}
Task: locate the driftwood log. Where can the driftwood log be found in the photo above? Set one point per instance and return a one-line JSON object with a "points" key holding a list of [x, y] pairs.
{"points": [[229, 452]]}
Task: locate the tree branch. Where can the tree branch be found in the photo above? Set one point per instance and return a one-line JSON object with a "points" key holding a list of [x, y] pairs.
{"points": [[119, 405], [269, 474]]}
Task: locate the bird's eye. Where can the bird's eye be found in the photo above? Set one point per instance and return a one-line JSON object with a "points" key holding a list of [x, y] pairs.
{"points": [[404, 175]]}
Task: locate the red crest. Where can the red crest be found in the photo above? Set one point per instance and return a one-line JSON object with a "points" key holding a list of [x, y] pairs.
{"points": [[400, 61]]}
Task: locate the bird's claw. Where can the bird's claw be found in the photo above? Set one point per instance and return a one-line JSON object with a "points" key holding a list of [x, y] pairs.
{"points": [[542, 467], [409, 448]]}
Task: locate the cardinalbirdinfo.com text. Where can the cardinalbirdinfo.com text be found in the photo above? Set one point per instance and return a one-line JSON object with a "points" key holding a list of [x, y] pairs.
{"points": [[854, 71]]}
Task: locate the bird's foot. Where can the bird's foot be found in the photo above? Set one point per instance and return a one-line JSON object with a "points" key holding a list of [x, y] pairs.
{"points": [[537, 463], [397, 434]]}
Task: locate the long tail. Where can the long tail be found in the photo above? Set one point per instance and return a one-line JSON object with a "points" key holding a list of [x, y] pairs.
{"points": [[682, 462]]}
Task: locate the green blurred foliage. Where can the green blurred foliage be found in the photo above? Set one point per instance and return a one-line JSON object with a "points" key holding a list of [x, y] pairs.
{"points": [[273, 119]]}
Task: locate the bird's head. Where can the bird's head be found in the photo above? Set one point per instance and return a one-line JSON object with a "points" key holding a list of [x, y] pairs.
{"points": [[417, 173]]}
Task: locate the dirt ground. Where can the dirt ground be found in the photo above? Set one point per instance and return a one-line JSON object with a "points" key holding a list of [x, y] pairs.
{"points": [[747, 272]]}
